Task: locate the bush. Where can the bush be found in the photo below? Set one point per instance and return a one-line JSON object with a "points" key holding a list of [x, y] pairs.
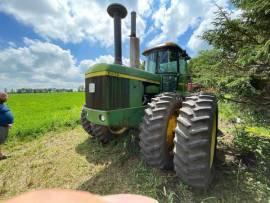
{"points": [[254, 141]]}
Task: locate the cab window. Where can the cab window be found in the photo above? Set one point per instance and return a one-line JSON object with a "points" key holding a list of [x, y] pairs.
{"points": [[150, 65], [167, 61], [183, 66]]}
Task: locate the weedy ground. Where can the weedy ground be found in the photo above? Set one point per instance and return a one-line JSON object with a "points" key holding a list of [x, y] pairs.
{"points": [[69, 158]]}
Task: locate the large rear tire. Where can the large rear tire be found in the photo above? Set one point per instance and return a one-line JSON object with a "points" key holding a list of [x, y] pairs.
{"points": [[195, 140], [157, 130]]}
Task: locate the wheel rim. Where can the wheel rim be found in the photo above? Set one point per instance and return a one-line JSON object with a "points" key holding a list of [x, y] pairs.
{"points": [[117, 131], [213, 139], [171, 130]]}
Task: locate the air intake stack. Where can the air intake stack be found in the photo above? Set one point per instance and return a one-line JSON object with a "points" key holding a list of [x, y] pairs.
{"points": [[134, 43], [117, 12]]}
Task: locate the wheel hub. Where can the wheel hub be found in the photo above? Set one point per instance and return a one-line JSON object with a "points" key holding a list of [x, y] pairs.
{"points": [[117, 131], [171, 130]]}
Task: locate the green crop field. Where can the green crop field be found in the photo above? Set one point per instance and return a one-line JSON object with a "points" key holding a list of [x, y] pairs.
{"points": [[41, 112]]}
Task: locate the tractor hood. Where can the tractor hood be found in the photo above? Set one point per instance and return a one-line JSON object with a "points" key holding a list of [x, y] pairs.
{"points": [[120, 71]]}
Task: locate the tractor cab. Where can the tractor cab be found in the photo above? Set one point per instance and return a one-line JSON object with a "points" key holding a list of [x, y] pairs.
{"points": [[170, 61]]}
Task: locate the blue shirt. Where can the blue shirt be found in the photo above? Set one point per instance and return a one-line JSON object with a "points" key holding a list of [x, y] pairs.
{"points": [[6, 116]]}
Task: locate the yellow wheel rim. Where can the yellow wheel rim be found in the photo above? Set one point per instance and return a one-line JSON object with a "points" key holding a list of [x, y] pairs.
{"points": [[171, 130], [213, 139]]}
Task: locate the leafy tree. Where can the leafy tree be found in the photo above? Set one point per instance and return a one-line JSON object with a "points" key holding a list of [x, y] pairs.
{"points": [[240, 60]]}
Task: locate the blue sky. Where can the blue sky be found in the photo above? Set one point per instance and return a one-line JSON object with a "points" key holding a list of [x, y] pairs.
{"points": [[50, 43]]}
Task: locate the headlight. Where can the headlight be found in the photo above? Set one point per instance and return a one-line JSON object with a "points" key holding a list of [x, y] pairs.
{"points": [[102, 118]]}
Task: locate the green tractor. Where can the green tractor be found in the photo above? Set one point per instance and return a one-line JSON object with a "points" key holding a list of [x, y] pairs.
{"points": [[176, 128]]}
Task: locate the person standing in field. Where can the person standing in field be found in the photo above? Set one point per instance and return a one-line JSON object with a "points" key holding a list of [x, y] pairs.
{"points": [[6, 121]]}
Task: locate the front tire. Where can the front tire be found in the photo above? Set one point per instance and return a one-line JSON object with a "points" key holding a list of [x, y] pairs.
{"points": [[157, 130], [101, 133], [195, 140], [87, 125]]}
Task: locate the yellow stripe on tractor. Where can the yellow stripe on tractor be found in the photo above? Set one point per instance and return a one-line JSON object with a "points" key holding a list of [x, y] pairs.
{"points": [[119, 75]]}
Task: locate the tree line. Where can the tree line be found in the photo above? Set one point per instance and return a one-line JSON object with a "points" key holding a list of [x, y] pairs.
{"points": [[43, 90]]}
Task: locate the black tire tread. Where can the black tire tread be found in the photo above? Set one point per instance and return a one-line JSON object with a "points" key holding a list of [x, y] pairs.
{"points": [[87, 125], [101, 133], [154, 123], [192, 140]]}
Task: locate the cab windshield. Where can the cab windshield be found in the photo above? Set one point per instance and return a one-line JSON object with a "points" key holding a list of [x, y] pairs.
{"points": [[163, 61], [167, 61]]}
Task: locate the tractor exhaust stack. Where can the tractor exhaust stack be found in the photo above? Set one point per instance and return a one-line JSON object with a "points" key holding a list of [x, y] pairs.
{"points": [[117, 12], [133, 24], [134, 43]]}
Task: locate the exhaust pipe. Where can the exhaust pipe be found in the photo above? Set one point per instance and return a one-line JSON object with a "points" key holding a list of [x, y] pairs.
{"points": [[133, 24], [117, 12], [134, 43]]}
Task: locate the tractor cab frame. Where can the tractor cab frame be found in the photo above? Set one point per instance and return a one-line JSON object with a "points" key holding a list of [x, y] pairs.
{"points": [[170, 61]]}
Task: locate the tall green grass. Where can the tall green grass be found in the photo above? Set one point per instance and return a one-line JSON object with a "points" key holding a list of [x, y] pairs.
{"points": [[42, 112]]}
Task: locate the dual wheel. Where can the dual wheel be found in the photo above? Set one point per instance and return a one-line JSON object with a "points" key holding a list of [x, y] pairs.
{"points": [[181, 134], [175, 133]]}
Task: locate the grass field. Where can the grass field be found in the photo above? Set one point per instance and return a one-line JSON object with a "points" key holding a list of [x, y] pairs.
{"points": [[42, 112]]}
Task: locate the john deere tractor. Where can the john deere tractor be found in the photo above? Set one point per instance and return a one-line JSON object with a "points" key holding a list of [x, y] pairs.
{"points": [[176, 128]]}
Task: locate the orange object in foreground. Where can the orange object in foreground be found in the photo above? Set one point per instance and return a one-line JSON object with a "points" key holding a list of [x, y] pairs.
{"points": [[71, 196]]}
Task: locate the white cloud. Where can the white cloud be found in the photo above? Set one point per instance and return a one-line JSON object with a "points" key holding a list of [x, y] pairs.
{"points": [[42, 64], [195, 42], [174, 20], [38, 64], [74, 20], [78, 20], [86, 64], [177, 18], [144, 7]]}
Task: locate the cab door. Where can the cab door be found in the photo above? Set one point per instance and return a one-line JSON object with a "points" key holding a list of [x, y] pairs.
{"points": [[169, 82], [168, 67]]}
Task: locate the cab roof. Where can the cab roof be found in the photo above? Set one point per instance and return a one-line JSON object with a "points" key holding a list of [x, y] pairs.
{"points": [[169, 45]]}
